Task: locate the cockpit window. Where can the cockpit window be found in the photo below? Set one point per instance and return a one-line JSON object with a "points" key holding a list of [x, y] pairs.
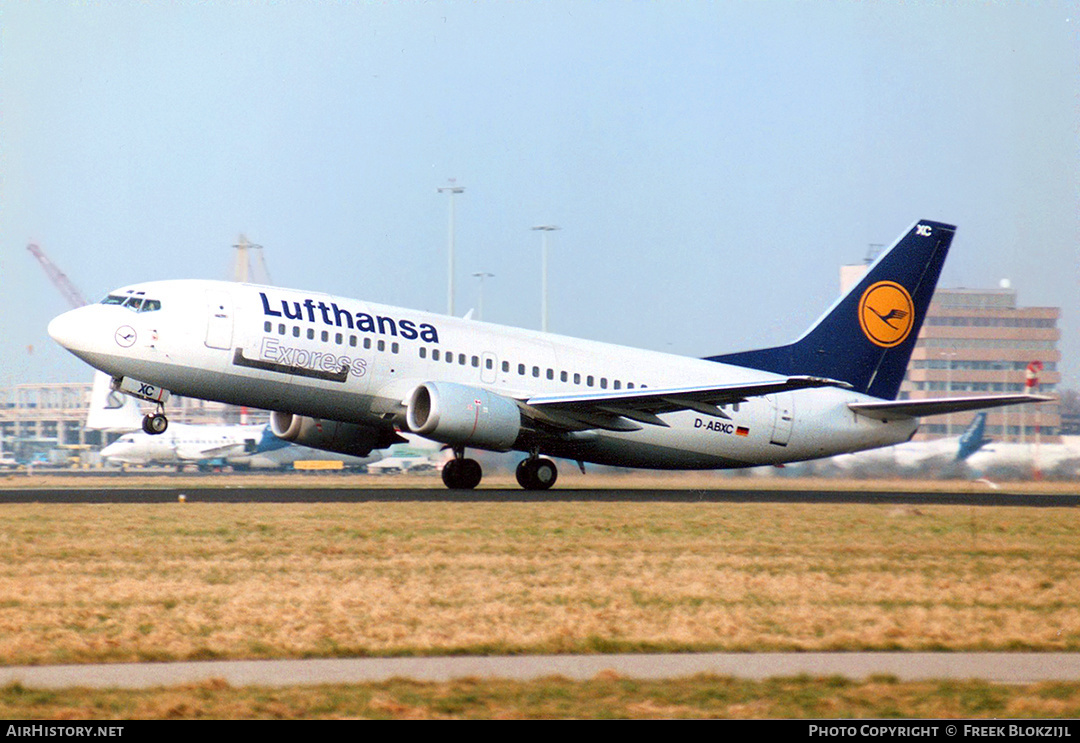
{"points": [[135, 302]]}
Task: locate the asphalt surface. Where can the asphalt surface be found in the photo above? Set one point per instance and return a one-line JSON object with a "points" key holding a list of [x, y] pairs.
{"points": [[1006, 668], [292, 494]]}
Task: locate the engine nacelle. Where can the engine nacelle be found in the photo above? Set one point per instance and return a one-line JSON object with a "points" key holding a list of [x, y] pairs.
{"points": [[335, 436], [460, 415]]}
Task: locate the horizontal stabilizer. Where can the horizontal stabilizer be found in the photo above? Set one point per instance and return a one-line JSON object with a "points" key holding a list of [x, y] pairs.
{"points": [[891, 409]]}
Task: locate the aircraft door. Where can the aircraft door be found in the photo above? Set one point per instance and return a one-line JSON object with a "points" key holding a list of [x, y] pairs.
{"points": [[219, 321], [783, 419]]}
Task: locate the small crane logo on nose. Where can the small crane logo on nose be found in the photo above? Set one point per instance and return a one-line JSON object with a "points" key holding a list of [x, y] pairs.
{"points": [[125, 336]]}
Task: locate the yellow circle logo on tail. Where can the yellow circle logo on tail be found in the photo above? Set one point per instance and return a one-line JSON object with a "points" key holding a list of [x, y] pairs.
{"points": [[886, 313]]}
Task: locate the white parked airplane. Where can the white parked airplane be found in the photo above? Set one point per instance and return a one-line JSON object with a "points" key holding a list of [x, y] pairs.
{"points": [[346, 375]]}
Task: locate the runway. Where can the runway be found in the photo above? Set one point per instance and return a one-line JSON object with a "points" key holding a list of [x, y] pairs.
{"points": [[1004, 668], [192, 493]]}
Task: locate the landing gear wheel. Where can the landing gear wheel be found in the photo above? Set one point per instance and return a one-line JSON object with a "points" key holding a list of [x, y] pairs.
{"points": [[155, 424], [536, 473], [462, 474]]}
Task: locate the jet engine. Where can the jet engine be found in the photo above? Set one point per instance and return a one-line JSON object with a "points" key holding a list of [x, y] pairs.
{"points": [[335, 436], [460, 415]]}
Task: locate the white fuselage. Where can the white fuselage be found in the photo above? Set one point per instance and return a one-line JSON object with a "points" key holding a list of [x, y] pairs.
{"points": [[341, 359]]}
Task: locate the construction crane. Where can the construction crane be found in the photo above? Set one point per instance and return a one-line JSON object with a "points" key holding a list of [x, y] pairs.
{"points": [[243, 267], [59, 278]]}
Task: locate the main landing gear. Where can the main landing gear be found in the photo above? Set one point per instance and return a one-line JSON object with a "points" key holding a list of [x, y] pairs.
{"points": [[534, 473], [461, 473], [155, 423]]}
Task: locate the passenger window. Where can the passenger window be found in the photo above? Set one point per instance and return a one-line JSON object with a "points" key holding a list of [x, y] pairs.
{"points": [[281, 328], [311, 334], [489, 363], [589, 381], [577, 378], [506, 366], [367, 343], [603, 383], [338, 338], [394, 347], [296, 332], [435, 355], [325, 336], [563, 376], [476, 362], [267, 326], [536, 371], [521, 369], [382, 345], [352, 341], [550, 373], [423, 352], [461, 359]]}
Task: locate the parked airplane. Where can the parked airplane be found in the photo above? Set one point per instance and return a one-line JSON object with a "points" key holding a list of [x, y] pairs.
{"points": [[345, 375], [1001, 457], [917, 454]]}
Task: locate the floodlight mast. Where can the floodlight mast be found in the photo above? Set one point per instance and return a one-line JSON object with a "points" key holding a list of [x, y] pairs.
{"points": [[453, 189]]}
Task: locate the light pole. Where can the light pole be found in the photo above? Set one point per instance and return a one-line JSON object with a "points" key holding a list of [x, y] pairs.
{"points": [[949, 356], [480, 300], [544, 230], [453, 189]]}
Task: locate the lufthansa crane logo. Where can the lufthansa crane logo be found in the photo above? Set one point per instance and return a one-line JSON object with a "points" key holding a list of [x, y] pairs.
{"points": [[886, 313]]}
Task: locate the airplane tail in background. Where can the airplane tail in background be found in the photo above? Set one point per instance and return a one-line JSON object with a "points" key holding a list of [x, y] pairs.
{"points": [[111, 411], [973, 439], [866, 337]]}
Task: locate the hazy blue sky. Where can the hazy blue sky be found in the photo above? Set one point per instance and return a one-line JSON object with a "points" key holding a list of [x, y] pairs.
{"points": [[711, 165]]}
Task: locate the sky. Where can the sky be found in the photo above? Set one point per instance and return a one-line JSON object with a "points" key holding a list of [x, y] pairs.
{"points": [[710, 165]]}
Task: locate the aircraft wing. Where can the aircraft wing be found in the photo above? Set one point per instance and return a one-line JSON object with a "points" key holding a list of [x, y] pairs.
{"points": [[623, 410], [890, 409]]}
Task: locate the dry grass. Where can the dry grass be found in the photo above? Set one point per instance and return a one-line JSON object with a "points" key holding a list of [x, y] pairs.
{"points": [[187, 581]]}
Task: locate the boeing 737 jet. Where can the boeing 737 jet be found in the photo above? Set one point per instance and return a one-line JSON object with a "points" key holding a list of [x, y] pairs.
{"points": [[346, 375]]}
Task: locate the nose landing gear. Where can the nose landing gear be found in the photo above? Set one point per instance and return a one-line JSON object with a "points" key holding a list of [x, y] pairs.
{"points": [[155, 423]]}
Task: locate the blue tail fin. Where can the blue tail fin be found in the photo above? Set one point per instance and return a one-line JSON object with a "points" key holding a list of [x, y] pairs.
{"points": [[973, 439], [866, 337]]}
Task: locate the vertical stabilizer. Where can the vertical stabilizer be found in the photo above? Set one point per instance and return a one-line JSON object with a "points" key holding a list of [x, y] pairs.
{"points": [[112, 411], [866, 337]]}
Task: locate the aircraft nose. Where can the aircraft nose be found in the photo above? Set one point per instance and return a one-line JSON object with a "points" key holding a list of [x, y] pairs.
{"points": [[67, 329]]}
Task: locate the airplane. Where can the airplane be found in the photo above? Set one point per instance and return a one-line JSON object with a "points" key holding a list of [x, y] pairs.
{"points": [[1063, 458], [346, 375], [915, 454]]}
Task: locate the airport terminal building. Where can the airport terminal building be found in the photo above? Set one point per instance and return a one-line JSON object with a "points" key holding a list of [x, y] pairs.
{"points": [[979, 342]]}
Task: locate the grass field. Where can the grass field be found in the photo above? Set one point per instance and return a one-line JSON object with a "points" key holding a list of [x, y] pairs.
{"points": [[93, 583]]}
